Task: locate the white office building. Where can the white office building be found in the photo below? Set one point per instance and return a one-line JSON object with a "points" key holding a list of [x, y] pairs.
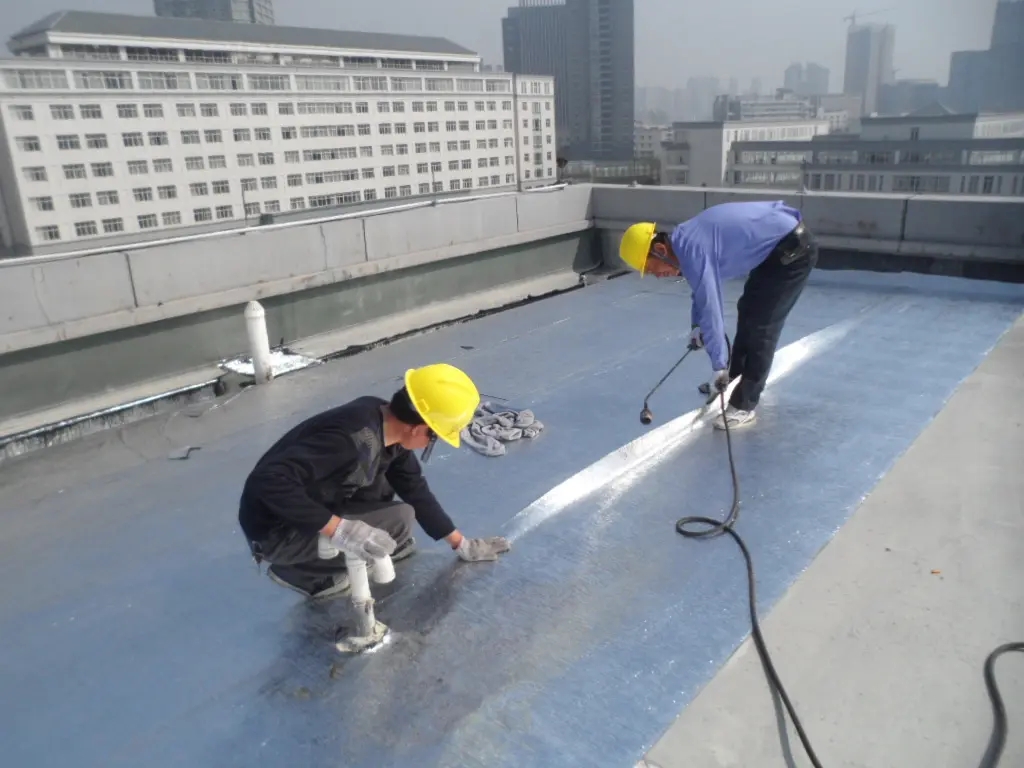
{"points": [[932, 151], [126, 127], [698, 153], [648, 139]]}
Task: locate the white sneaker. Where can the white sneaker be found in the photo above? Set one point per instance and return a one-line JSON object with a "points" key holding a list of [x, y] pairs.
{"points": [[735, 417]]}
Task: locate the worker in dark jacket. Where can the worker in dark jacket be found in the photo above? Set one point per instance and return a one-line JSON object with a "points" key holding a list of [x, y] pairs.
{"points": [[328, 486], [766, 242]]}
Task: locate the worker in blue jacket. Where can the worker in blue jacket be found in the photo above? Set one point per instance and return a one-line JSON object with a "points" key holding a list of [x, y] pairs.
{"points": [[767, 241]]}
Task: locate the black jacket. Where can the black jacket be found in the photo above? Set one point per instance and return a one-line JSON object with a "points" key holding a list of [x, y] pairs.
{"points": [[331, 458]]}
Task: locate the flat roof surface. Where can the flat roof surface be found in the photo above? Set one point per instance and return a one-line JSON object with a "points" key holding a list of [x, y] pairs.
{"points": [[144, 28], [133, 616]]}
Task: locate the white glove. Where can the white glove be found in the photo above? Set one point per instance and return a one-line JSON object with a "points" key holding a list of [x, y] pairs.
{"points": [[720, 381], [475, 550], [325, 550], [696, 338], [354, 537]]}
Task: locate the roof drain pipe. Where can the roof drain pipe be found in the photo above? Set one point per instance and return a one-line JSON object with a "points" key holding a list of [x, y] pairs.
{"points": [[366, 632]]}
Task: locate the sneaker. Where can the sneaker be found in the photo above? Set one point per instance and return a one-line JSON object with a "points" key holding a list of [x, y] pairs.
{"points": [[735, 417], [330, 587], [407, 549]]}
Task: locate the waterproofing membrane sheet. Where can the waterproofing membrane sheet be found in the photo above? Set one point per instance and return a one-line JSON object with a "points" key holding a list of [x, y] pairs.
{"points": [[136, 630]]}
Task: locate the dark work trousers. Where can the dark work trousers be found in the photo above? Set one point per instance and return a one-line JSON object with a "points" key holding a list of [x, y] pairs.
{"points": [[771, 291], [294, 556]]}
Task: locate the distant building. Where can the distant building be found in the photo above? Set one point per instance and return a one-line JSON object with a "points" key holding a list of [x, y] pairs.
{"points": [[869, 62], [842, 111], [697, 152], [933, 151], [784, 106], [992, 80], [240, 11], [648, 139], [905, 96], [125, 128], [587, 46], [809, 80]]}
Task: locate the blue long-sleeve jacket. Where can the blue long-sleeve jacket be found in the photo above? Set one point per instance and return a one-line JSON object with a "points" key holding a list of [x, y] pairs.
{"points": [[724, 242]]}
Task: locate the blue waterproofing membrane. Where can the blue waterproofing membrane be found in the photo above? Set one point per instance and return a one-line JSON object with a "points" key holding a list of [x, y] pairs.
{"points": [[136, 630]]}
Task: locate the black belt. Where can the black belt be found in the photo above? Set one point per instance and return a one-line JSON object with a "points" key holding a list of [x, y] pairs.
{"points": [[794, 245]]}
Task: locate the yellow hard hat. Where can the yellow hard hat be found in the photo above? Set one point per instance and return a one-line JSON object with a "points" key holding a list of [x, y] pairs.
{"points": [[636, 245], [445, 397]]}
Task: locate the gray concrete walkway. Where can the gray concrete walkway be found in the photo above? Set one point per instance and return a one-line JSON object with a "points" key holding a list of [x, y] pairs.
{"points": [[881, 642]]}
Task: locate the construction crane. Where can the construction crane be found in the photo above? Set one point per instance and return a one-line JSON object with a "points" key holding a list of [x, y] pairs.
{"points": [[852, 18]]}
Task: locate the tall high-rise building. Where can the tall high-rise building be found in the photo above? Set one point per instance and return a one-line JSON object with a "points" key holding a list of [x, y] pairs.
{"points": [[587, 46], [242, 11], [992, 80], [815, 80], [1008, 26], [869, 62], [811, 80]]}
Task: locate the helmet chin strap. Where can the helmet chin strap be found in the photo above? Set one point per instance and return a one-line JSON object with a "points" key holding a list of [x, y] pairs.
{"points": [[425, 456]]}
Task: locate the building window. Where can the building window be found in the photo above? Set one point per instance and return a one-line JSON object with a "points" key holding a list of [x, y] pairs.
{"points": [[163, 165], [143, 194], [22, 112], [153, 110], [405, 190], [48, 233], [208, 110], [169, 192], [171, 218], [158, 139], [369, 195], [57, 112], [262, 134], [225, 212], [252, 209], [218, 161], [68, 142], [289, 133], [272, 206], [199, 189], [239, 110], [194, 163], [28, 143], [186, 110], [108, 198], [127, 111], [221, 187], [260, 109], [80, 200], [96, 140], [212, 136], [202, 214], [43, 203], [74, 171], [100, 170], [286, 108], [292, 156], [112, 226], [132, 139], [266, 158], [91, 111], [297, 203], [147, 221], [246, 161], [250, 185], [268, 182], [190, 137], [295, 180]]}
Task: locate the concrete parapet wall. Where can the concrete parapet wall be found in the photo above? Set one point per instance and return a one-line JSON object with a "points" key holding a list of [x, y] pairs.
{"points": [[937, 227], [56, 298]]}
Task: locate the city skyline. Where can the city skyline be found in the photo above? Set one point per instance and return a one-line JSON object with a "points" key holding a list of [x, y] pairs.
{"points": [[667, 51]]}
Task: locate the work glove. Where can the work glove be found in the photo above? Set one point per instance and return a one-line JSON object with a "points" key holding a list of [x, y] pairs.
{"points": [[354, 537], [696, 338], [475, 550]]}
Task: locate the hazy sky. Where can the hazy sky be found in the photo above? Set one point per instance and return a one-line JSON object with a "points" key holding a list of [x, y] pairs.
{"points": [[675, 39]]}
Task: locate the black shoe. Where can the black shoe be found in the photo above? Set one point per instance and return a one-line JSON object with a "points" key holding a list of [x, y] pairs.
{"points": [[407, 549]]}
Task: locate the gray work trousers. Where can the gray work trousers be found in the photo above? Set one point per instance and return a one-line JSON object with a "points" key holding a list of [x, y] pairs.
{"points": [[294, 555]]}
